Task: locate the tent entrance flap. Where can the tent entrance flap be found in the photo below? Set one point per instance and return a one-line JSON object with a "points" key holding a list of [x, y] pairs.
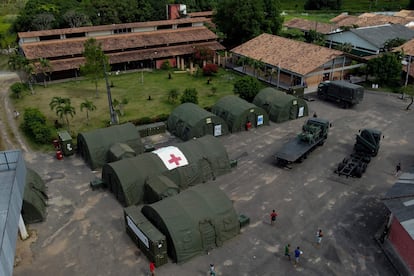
{"points": [[208, 234]]}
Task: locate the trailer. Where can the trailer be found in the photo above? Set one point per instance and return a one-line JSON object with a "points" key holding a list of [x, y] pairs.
{"points": [[366, 146], [342, 92], [314, 133]]}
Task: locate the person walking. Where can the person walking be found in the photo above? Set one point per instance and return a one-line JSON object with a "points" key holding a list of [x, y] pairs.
{"points": [[319, 236], [287, 251], [273, 216], [152, 268], [397, 169], [212, 270], [298, 252]]}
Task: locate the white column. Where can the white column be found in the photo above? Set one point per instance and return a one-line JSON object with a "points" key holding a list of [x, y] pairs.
{"points": [[22, 228]]}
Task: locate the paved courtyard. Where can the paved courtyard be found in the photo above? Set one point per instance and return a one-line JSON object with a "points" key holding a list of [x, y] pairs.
{"points": [[84, 233]]}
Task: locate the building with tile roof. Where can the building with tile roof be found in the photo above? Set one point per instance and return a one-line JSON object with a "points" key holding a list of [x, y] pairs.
{"points": [[128, 46], [288, 63], [397, 239]]}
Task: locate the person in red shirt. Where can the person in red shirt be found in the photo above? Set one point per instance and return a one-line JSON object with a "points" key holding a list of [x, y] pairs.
{"points": [[273, 216], [152, 268]]}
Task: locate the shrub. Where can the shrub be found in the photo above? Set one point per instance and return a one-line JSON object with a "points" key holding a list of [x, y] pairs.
{"points": [[166, 65], [209, 69], [189, 96], [247, 88], [34, 126], [17, 88]]}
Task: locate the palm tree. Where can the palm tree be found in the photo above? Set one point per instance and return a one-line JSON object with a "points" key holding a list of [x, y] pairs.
{"points": [[23, 67], [58, 101], [89, 106], [65, 110]]}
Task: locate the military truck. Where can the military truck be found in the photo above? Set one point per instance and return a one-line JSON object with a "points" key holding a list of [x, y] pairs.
{"points": [[344, 93], [366, 146], [314, 133]]}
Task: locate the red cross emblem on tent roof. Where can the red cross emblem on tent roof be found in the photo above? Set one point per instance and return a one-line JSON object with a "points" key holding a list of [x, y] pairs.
{"points": [[174, 159]]}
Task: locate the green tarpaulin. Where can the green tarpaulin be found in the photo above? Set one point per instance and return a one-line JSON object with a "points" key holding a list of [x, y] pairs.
{"points": [[34, 199], [188, 120], [280, 106], [94, 145], [194, 221], [206, 159], [237, 112]]}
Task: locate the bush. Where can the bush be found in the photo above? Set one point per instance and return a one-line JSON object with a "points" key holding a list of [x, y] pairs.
{"points": [[189, 96], [247, 88], [209, 69], [166, 65], [17, 89], [34, 126]]}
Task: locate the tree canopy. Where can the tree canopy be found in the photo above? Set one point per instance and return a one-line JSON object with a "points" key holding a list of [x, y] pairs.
{"points": [[242, 20], [47, 14], [386, 69], [247, 88], [323, 4]]}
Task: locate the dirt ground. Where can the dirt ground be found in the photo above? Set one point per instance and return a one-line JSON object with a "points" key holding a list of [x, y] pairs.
{"points": [[84, 233]]}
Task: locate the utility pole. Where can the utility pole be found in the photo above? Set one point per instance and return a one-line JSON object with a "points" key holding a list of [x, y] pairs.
{"points": [[112, 113]]}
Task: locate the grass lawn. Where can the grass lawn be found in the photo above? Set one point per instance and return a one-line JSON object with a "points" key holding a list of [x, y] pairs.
{"points": [[351, 6], [135, 87]]}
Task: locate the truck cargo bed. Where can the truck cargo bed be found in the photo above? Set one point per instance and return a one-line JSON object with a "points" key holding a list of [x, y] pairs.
{"points": [[295, 149]]}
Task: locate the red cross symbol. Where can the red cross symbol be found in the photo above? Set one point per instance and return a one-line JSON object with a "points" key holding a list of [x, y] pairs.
{"points": [[174, 159]]}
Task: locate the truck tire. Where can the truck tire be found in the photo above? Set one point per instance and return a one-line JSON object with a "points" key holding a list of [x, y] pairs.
{"points": [[366, 159], [364, 167], [340, 167], [358, 171]]}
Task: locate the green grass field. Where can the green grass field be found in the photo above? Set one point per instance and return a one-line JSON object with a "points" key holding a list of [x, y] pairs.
{"points": [[350, 6], [135, 87]]}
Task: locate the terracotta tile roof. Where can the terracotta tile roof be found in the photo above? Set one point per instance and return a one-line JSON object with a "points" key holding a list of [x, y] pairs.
{"points": [[405, 13], [119, 42], [342, 16], [112, 27], [295, 56], [144, 54], [201, 14], [306, 25], [407, 47], [370, 19]]}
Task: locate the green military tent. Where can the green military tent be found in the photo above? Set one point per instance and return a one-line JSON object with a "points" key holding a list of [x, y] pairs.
{"points": [[237, 112], [280, 106], [194, 221], [34, 198], [188, 120], [94, 146], [185, 164]]}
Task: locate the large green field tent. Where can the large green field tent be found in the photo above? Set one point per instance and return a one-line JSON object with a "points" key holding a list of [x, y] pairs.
{"points": [[185, 164], [94, 146], [238, 112], [34, 198], [194, 221], [188, 120], [280, 106]]}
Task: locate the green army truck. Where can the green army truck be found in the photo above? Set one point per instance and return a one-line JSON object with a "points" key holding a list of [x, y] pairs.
{"points": [[342, 92], [314, 133]]}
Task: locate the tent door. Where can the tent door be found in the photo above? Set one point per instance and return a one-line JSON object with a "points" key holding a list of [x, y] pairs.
{"points": [[293, 112], [208, 235], [252, 119]]}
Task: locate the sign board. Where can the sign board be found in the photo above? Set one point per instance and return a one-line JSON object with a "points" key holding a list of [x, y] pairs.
{"points": [[137, 232], [208, 121], [260, 120], [301, 111], [217, 130]]}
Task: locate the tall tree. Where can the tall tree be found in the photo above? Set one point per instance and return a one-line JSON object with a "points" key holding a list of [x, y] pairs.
{"points": [[89, 106], [95, 62], [252, 18], [57, 102], [386, 69], [44, 67], [23, 67]]}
